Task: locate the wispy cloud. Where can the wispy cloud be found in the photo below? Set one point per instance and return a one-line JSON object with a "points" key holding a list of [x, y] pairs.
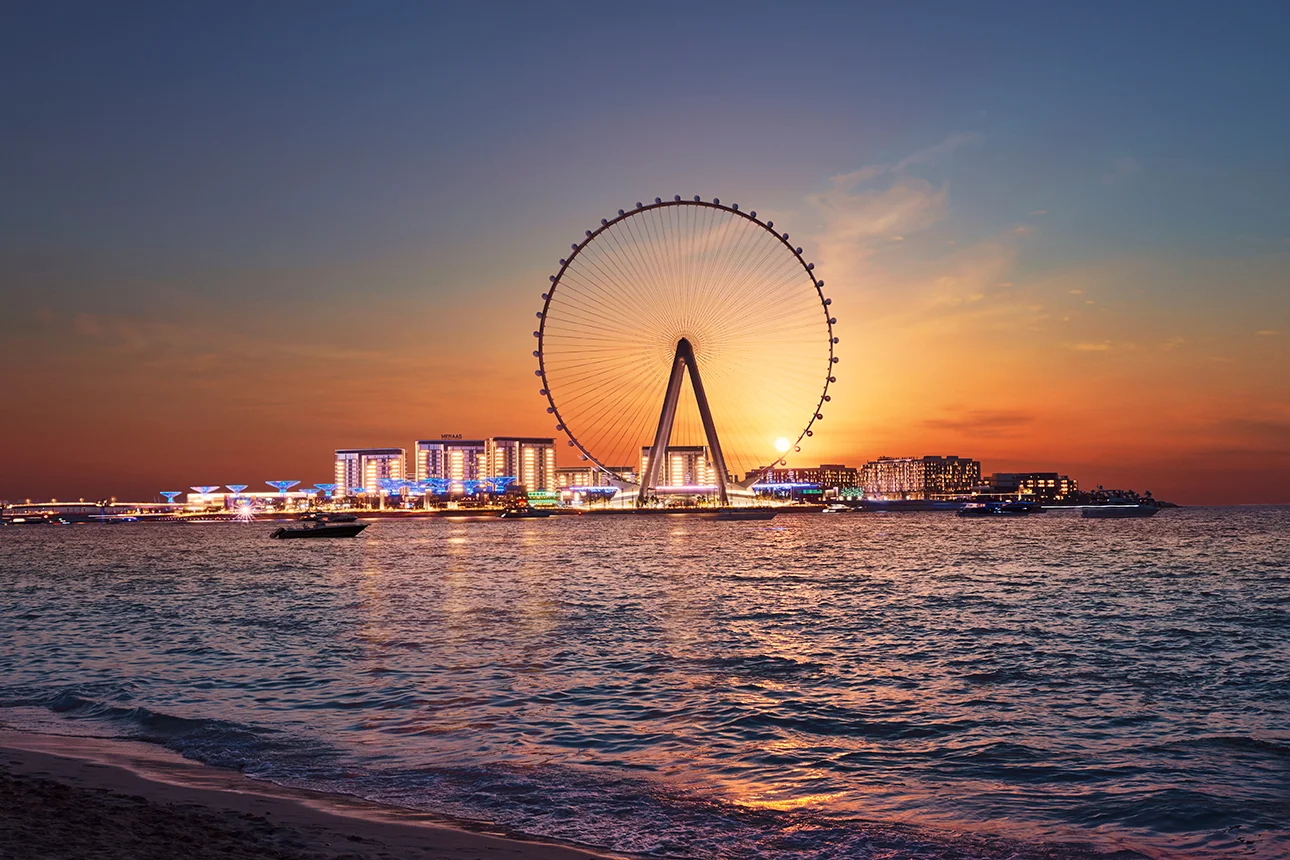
{"points": [[880, 204], [981, 419]]}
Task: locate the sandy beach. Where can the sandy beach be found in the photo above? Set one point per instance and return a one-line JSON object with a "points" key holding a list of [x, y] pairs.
{"points": [[64, 797]]}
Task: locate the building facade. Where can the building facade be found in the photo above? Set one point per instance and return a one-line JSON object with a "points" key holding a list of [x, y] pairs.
{"points": [[828, 476], [893, 478], [364, 468], [1041, 486], [682, 466], [950, 476], [928, 477], [451, 458], [530, 461]]}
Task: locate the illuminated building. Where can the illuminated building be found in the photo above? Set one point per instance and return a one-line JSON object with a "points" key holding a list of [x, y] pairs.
{"points": [[893, 478], [950, 475], [683, 466], [919, 477], [1042, 486], [364, 468], [590, 476], [828, 476], [530, 461], [451, 458]]}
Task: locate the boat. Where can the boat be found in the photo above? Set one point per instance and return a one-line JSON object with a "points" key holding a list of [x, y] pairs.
{"points": [[746, 513], [838, 508], [321, 526], [1016, 508], [1119, 512], [523, 511]]}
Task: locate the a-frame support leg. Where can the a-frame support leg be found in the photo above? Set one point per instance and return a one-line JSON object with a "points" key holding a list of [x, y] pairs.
{"points": [[658, 451]]}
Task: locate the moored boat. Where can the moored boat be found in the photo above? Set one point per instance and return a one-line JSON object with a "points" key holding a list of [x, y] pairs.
{"points": [[523, 511]]}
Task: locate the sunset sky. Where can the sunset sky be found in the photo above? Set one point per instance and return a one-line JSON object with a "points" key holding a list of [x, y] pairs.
{"points": [[236, 236]]}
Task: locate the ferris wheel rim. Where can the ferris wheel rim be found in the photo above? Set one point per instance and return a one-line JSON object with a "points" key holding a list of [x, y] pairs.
{"points": [[659, 203]]}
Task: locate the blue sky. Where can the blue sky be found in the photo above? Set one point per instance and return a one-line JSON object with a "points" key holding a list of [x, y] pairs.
{"points": [[245, 171]]}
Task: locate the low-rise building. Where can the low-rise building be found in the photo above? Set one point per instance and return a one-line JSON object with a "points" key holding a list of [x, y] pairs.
{"points": [[364, 468], [530, 461], [682, 466], [927, 477], [451, 458], [950, 475], [1041, 486], [830, 476]]}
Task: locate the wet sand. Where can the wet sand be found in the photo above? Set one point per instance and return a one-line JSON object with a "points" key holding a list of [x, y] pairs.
{"points": [[63, 797]]}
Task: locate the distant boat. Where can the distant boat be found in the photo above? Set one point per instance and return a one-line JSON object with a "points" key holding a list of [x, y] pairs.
{"points": [[321, 526], [1001, 509], [838, 508], [523, 511], [1119, 512]]}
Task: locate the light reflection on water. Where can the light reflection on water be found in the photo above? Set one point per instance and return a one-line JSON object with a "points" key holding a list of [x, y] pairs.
{"points": [[808, 687]]}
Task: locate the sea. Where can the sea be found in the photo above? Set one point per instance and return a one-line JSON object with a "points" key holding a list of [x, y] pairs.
{"points": [[909, 685]]}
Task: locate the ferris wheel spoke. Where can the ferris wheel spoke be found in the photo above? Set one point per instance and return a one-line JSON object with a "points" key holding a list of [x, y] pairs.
{"points": [[668, 273]]}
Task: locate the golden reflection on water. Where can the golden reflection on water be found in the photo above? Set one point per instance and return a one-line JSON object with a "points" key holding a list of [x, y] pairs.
{"points": [[785, 804]]}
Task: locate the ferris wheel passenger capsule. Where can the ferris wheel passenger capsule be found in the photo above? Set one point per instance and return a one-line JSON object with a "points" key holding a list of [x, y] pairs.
{"points": [[574, 246], [819, 416], [544, 296], [752, 214], [797, 251], [550, 411], [677, 198], [621, 213], [833, 360], [835, 340], [810, 432], [537, 334], [588, 232], [570, 441], [562, 262], [658, 199], [833, 320], [604, 221], [833, 379], [828, 398], [537, 354], [537, 373], [734, 206], [810, 266], [698, 199], [828, 301], [640, 205], [539, 315], [770, 223], [717, 202], [542, 392], [550, 278]]}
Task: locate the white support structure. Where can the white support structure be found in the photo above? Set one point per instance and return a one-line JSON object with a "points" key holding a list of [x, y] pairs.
{"points": [[649, 479]]}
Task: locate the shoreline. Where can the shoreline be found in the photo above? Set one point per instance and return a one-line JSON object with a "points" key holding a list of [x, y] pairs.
{"points": [[114, 799]]}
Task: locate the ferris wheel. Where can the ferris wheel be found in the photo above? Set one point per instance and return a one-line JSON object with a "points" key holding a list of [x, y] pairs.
{"points": [[685, 286]]}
